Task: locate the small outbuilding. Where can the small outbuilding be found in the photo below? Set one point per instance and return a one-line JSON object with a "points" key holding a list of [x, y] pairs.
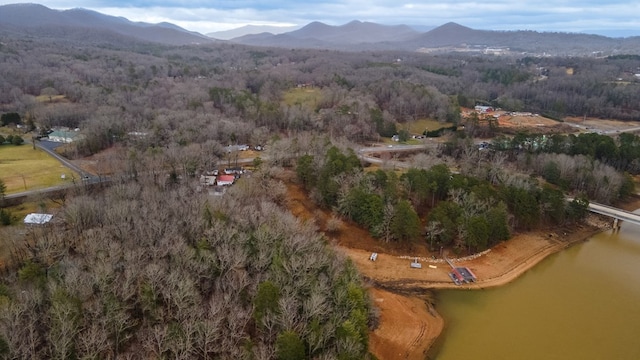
{"points": [[37, 219]]}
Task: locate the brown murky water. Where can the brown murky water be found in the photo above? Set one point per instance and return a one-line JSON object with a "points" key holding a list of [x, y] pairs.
{"points": [[583, 303]]}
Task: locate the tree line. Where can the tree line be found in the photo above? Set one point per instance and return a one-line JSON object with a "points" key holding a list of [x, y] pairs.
{"points": [[598, 165], [468, 211]]}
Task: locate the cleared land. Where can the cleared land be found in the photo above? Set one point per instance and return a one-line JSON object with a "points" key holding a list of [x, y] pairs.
{"points": [[23, 168], [604, 125], [305, 96]]}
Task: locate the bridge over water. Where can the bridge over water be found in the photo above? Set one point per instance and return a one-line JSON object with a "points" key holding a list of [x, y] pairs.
{"points": [[615, 213]]}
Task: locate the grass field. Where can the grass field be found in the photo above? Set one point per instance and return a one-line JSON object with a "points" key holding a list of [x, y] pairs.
{"points": [[51, 99], [303, 96], [22, 168]]}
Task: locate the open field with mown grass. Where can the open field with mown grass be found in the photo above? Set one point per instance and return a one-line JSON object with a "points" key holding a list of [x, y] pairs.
{"points": [[23, 168], [303, 96]]}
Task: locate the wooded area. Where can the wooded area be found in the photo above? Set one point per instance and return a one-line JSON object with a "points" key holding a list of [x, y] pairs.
{"points": [[151, 270], [153, 267]]}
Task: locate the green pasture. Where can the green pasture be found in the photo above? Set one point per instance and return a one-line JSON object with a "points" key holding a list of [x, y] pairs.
{"points": [[24, 168], [303, 96]]}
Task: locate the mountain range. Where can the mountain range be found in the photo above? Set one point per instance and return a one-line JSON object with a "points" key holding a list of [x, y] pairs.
{"points": [[364, 36], [90, 26], [249, 30]]}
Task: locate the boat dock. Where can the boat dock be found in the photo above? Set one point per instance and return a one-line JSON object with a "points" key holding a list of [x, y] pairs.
{"points": [[459, 274]]}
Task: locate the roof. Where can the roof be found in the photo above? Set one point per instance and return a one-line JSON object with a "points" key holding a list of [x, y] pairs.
{"points": [[67, 134], [37, 219], [226, 178]]}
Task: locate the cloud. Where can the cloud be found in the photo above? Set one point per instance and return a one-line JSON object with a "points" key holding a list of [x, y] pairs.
{"points": [[206, 16]]}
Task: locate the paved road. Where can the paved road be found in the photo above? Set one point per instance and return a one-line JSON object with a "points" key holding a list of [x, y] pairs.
{"points": [[49, 146], [614, 213], [45, 191]]}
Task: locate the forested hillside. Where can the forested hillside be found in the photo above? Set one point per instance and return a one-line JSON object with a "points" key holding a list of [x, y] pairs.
{"points": [[195, 94], [150, 265], [156, 270]]}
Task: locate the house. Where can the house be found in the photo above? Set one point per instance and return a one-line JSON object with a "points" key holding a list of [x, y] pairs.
{"points": [[225, 180], [483, 109], [63, 136]]}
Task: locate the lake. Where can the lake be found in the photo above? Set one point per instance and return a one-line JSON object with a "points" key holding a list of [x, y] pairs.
{"points": [[582, 303]]}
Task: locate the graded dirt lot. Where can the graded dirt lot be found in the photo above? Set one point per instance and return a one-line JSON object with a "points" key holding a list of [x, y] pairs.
{"points": [[540, 124], [601, 125]]}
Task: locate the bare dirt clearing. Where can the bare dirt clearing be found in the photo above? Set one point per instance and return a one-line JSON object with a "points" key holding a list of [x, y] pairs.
{"points": [[603, 125], [406, 329]]}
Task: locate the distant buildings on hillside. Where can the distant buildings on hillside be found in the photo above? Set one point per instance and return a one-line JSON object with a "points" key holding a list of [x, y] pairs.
{"points": [[64, 135]]}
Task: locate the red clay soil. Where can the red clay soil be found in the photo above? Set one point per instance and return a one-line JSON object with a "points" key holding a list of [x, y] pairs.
{"points": [[406, 328]]}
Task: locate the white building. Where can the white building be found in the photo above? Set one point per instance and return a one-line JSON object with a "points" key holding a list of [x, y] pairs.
{"points": [[64, 136]]}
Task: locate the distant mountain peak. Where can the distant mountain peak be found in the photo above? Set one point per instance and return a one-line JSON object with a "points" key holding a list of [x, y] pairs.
{"points": [[40, 20], [452, 26]]}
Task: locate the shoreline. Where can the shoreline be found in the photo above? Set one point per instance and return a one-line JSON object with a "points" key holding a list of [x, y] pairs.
{"points": [[398, 334], [409, 326]]}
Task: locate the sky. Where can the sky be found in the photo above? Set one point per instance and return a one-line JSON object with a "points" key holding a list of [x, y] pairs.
{"points": [[610, 18]]}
